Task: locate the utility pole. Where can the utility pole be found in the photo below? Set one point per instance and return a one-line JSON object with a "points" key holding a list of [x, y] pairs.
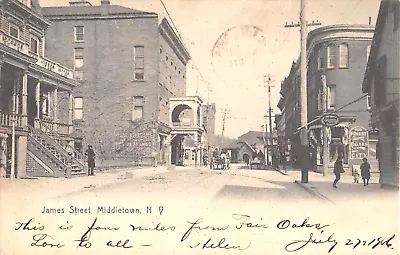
{"points": [[325, 155], [303, 87], [13, 120], [269, 137], [225, 112]]}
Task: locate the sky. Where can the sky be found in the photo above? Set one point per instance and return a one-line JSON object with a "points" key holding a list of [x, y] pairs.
{"points": [[236, 44]]}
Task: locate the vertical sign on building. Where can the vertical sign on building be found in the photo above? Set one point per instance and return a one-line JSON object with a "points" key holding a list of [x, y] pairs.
{"points": [[358, 143]]}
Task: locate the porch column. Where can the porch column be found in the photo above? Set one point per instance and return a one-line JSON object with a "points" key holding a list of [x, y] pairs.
{"points": [[25, 99], [55, 104], [22, 147], [37, 99], [17, 96], [1, 65], [70, 108], [169, 150], [3, 147]]}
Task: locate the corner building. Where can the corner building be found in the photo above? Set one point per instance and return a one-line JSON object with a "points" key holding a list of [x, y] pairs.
{"points": [[129, 66], [340, 54]]}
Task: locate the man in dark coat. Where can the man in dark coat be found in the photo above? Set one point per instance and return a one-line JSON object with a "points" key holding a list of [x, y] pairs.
{"points": [[91, 159], [337, 170], [365, 171]]}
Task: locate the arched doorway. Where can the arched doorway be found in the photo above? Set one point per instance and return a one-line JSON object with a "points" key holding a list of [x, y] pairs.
{"points": [[246, 158], [182, 115], [177, 150]]}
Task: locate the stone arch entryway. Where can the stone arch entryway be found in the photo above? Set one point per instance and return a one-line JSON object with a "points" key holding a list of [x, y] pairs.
{"points": [[246, 158], [177, 150], [182, 115], [186, 121]]}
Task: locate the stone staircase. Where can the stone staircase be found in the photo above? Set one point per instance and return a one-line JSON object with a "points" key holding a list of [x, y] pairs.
{"points": [[49, 155]]}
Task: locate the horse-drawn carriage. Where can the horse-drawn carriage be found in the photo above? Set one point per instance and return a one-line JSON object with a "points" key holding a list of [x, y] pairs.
{"points": [[257, 163]]}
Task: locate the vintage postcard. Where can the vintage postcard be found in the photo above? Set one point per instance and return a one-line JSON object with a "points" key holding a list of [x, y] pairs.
{"points": [[199, 127]]}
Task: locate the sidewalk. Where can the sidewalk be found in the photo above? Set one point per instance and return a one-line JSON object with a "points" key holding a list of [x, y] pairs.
{"points": [[321, 187], [58, 186]]}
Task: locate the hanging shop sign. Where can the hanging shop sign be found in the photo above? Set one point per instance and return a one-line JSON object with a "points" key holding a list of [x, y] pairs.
{"points": [[358, 143], [330, 120]]}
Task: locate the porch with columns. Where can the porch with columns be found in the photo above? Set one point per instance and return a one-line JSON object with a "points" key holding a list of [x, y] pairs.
{"points": [[30, 97]]}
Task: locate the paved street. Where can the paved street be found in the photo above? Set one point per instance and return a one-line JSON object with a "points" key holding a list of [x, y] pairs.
{"points": [[185, 194]]}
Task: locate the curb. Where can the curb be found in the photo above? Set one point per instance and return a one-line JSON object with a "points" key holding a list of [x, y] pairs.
{"points": [[280, 171], [313, 192]]}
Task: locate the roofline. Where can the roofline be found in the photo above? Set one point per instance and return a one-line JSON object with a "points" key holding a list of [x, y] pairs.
{"points": [[331, 29], [167, 30], [338, 27], [116, 15], [34, 14], [100, 17], [380, 23]]}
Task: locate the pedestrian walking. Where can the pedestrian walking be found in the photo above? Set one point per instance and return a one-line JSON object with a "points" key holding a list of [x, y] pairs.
{"points": [[365, 171], [283, 160], [261, 157], [337, 170], [90, 159]]}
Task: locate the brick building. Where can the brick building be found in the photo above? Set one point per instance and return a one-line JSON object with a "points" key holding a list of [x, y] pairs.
{"points": [[382, 83], [34, 140], [340, 53], [289, 105], [129, 66]]}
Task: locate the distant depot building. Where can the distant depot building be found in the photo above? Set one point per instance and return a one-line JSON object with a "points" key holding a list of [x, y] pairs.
{"points": [[129, 66], [340, 53]]}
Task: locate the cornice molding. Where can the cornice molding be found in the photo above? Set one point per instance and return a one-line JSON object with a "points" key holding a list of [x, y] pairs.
{"points": [[174, 41], [55, 17]]}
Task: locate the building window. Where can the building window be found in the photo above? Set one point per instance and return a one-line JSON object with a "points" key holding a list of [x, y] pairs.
{"points": [[344, 55], [331, 56], [78, 108], [321, 60], [34, 46], [78, 63], [137, 108], [46, 105], [79, 75], [139, 63], [331, 97], [14, 30], [78, 33], [319, 98]]}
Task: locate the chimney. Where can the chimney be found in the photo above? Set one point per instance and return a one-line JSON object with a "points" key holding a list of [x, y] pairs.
{"points": [[105, 7], [369, 20]]}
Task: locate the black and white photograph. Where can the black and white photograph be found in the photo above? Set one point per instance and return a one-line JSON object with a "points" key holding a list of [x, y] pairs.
{"points": [[199, 127]]}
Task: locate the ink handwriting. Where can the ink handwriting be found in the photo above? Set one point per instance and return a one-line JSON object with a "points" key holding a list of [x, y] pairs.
{"points": [[300, 244], [41, 240], [29, 225], [196, 225]]}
